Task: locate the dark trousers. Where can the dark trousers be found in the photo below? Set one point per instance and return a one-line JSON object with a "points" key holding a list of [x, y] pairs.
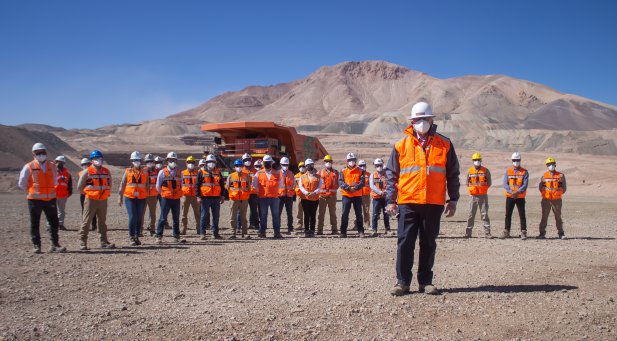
{"points": [[210, 204], [254, 210], [379, 207], [167, 205], [287, 202], [135, 209], [520, 206], [82, 198], [414, 220], [357, 208], [36, 207], [310, 214]]}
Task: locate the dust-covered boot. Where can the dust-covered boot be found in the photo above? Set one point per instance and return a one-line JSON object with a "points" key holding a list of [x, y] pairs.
{"points": [[505, 234], [468, 232], [523, 235]]}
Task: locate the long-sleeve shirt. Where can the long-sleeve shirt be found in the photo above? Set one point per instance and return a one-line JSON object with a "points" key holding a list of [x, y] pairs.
{"points": [[268, 174], [303, 190], [452, 173], [342, 184], [373, 186], [161, 177], [563, 183], [521, 189], [200, 180], [489, 182], [24, 177]]}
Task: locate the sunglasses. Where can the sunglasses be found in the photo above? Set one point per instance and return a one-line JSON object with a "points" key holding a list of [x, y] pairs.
{"points": [[40, 153]]}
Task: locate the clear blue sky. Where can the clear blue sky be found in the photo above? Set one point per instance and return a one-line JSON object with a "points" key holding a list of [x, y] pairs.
{"points": [[92, 63]]}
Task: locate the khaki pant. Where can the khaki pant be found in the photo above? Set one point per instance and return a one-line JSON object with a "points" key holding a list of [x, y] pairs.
{"points": [[366, 217], [300, 218], [187, 203], [328, 203], [482, 202], [239, 206], [151, 206], [61, 203], [94, 208], [555, 206]]}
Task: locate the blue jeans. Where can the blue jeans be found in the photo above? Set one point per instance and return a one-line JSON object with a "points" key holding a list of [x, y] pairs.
{"points": [[166, 206], [379, 207], [273, 204], [135, 208], [208, 203], [348, 202]]}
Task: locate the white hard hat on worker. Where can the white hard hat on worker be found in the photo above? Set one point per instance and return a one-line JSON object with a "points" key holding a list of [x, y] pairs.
{"points": [[421, 117]]}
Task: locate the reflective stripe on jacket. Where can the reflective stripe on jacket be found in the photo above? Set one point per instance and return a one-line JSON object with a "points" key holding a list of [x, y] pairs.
{"points": [[136, 182], [64, 179], [515, 181], [97, 185], [477, 181], [552, 188], [238, 186], [210, 183], [171, 186], [41, 182], [189, 182], [330, 182]]}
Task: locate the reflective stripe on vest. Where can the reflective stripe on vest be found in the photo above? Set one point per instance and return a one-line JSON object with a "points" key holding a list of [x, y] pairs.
{"points": [[239, 188], [210, 186], [171, 188], [478, 183], [288, 188], [269, 188], [62, 189], [330, 182], [135, 190], [552, 186], [515, 181], [152, 178], [310, 183], [41, 183], [189, 182], [379, 180], [97, 187], [352, 177]]}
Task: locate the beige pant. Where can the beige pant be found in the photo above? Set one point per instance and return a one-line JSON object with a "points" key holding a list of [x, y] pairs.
{"points": [[328, 203], [366, 217], [94, 208], [299, 217], [61, 204], [151, 206], [241, 206], [547, 207], [482, 202], [187, 203]]}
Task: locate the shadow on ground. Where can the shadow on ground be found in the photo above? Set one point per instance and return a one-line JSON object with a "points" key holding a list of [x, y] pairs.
{"points": [[512, 288]]}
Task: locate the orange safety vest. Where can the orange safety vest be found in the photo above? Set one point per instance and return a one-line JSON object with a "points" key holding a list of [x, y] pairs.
{"points": [[477, 181], [210, 185], [553, 186], [297, 178], [310, 182], [330, 182], [269, 188], [41, 182], [352, 177], [239, 187], [289, 185], [97, 185], [189, 182], [62, 189], [379, 180], [515, 180], [152, 177], [422, 177], [136, 183], [366, 190], [171, 188]]}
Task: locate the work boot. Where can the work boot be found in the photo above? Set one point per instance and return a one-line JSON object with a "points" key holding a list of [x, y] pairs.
{"points": [[487, 234], [36, 249], [137, 241], [216, 235], [343, 235], [57, 248], [107, 245], [428, 289], [177, 240], [158, 240], [183, 231], [290, 231], [61, 227], [132, 242], [83, 246], [361, 235], [334, 232], [468, 233], [563, 237], [278, 236], [233, 236], [374, 233], [203, 237], [152, 233], [505, 234], [523, 235], [541, 236], [319, 233], [262, 235], [399, 290]]}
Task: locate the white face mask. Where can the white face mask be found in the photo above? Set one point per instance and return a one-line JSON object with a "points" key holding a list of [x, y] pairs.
{"points": [[477, 163], [41, 158], [552, 168], [150, 164], [422, 126], [284, 168], [516, 164], [247, 163], [136, 164], [351, 163], [97, 162], [302, 169], [159, 165], [171, 165], [190, 166], [238, 169], [210, 165], [379, 168], [362, 167], [328, 165]]}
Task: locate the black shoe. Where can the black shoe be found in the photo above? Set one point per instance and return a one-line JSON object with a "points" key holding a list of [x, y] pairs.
{"points": [[61, 227], [137, 241], [261, 235], [343, 235], [278, 236], [217, 236]]}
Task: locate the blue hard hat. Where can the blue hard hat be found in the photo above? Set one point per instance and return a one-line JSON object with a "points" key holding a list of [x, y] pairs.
{"points": [[96, 153], [238, 162]]}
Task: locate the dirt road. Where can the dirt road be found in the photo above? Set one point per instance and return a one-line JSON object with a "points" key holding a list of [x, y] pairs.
{"points": [[321, 288]]}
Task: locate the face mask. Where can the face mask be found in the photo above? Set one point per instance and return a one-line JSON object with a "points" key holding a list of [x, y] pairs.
{"points": [[190, 166], [210, 165], [351, 163], [40, 158], [238, 169], [516, 164], [150, 164], [171, 165], [60, 165], [84, 167], [302, 169], [284, 168], [552, 168], [159, 165], [136, 164], [247, 163], [328, 165], [477, 163], [362, 168], [97, 162], [268, 165], [309, 168], [422, 126], [379, 169]]}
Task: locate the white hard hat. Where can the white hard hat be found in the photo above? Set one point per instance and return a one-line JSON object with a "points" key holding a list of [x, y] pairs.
{"points": [[284, 161], [158, 159], [421, 109], [135, 156], [172, 155], [516, 156], [258, 163], [38, 146], [361, 163], [202, 162], [61, 158], [309, 162], [351, 156], [246, 156], [268, 158], [210, 158], [149, 157], [85, 161], [378, 162]]}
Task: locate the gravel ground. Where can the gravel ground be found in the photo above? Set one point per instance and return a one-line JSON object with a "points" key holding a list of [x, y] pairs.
{"points": [[321, 288]]}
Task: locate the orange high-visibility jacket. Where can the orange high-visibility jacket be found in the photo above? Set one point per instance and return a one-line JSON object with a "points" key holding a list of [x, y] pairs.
{"points": [[297, 178], [553, 186], [171, 188], [238, 186], [289, 184], [210, 185], [152, 177], [352, 177], [515, 181], [189, 182], [379, 180], [97, 185], [41, 182], [64, 179], [269, 188], [310, 182], [136, 182], [477, 181], [330, 182], [366, 190]]}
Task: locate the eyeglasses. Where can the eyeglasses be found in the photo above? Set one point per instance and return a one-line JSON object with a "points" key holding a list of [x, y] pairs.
{"points": [[420, 119], [40, 153]]}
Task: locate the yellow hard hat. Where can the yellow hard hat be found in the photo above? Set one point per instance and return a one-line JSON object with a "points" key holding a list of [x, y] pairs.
{"points": [[301, 164], [327, 158], [476, 156], [190, 159], [550, 160]]}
